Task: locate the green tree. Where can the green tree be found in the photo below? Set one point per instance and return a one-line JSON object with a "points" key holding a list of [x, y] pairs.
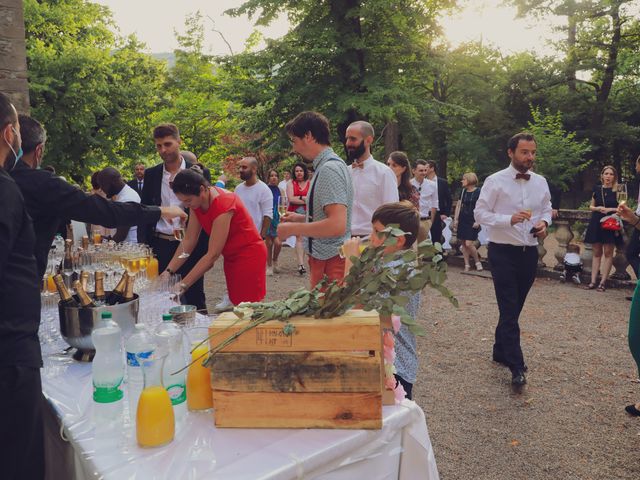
{"points": [[347, 59], [192, 101], [560, 157], [93, 91]]}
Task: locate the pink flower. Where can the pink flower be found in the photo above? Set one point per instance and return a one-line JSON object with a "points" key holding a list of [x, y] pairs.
{"points": [[395, 322], [399, 393], [389, 354], [390, 383], [388, 339]]}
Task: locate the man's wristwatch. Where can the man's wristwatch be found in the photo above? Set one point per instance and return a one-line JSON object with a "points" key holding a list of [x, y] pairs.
{"points": [[169, 271]]}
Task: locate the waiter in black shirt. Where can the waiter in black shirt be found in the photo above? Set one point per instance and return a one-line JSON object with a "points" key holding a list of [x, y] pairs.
{"points": [[49, 199], [22, 451]]}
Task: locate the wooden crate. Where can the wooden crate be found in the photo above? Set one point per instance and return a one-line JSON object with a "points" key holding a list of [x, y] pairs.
{"points": [[326, 375]]}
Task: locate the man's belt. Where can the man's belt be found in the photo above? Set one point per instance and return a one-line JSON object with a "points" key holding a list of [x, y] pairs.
{"points": [[424, 218], [164, 236]]}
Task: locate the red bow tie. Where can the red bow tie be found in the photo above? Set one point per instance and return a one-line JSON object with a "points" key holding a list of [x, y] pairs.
{"points": [[523, 176], [357, 165]]}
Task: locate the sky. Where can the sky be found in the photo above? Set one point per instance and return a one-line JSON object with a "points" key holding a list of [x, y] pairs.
{"points": [[154, 22]]}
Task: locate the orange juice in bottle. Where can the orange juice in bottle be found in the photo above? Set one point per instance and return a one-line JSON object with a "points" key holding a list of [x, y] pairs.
{"points": [[152, 268], [155, 421], [51, 285], [199, 395]]}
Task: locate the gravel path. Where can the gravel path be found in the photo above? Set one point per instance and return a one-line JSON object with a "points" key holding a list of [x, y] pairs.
{"points": [[568, 423]]}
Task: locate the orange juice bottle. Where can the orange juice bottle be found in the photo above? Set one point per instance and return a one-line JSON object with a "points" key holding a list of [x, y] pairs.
{"points": [[199, 395], [51, 285], [152, 268], [155, 421]]}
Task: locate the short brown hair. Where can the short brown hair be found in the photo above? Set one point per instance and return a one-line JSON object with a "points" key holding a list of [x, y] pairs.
{"points": [[166, 130], [313, 122], [513, 142], [404, 214]]}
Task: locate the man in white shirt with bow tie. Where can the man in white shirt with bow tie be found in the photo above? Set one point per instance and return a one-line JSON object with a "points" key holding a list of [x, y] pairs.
{"points": [[374, 183], [515, 205]]}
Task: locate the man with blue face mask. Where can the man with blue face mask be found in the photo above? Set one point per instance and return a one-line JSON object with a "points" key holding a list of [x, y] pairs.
{"points": [[22, 455]]}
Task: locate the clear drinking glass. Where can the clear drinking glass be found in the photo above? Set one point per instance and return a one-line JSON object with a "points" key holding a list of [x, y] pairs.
{"points": [[179, 227]]}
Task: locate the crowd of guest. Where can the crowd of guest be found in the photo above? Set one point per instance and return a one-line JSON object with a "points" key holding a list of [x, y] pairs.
{"points": [[340, 205]]}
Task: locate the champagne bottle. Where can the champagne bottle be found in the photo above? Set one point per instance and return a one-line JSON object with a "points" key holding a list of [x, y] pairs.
{"points": [[67, 263], [99, 296], [84, 279], [65, 296], [117, 294], [83, 296], [128, 291]]}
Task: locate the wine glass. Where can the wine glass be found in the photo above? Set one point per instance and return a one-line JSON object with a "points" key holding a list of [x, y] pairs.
{"points": [[178, 233], [283, 205], [621, 193]]}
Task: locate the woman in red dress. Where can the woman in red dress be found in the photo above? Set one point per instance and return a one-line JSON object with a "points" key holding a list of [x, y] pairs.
{"points": [[232, 234], [297, 190]]}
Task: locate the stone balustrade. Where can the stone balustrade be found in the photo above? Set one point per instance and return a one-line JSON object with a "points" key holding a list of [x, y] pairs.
{"points": [[564, 233]]}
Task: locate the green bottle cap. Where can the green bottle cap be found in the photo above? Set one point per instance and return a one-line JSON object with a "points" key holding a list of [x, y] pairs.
{"points": [[105, 315], [167, 317]]}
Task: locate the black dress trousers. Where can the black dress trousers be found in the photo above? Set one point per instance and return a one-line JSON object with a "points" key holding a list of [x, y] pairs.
{"points": [[513, 269], [165, 249]]}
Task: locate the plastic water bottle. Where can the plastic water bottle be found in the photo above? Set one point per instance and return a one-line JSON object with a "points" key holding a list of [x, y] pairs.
{"points": [[169, 337], [107, 370], [139, 345]]}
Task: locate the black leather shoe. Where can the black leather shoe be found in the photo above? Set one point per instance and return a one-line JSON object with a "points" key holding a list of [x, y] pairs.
{"points": [[632, 410], [518, 379]]}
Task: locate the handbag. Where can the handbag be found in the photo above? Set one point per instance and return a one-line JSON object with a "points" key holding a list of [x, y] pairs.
{"points": [[611, 223]]}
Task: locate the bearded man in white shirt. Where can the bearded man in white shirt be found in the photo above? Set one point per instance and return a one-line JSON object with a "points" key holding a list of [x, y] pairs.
{"points": [[515, 204], [374, 183]]}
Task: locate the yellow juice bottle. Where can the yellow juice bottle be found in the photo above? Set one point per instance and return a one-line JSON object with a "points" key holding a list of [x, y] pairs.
{"points": [[199, 395], [152, 268], [155, 423], [51, 285]]}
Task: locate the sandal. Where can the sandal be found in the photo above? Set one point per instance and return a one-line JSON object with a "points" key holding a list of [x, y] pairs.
{"points": [[301, 269], [467, 268], [591, 286], [601, 288]]}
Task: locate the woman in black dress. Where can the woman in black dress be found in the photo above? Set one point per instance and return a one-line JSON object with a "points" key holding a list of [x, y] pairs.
{"points": [[603, 203], [465, 224]]}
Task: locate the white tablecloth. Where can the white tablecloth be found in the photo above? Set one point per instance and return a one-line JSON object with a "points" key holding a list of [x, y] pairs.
{"points": [[401, 449]]}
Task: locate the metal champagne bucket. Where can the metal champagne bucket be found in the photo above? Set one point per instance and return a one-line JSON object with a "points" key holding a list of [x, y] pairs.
{"points": [[76, 324]]}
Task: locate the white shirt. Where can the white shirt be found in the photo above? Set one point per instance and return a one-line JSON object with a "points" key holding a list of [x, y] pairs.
{"points": [[258, 199], [638, 207], [502, 196], [168, 198], [572, 259], [428, 196], [128, 194], [283, 186], [373, 185]]}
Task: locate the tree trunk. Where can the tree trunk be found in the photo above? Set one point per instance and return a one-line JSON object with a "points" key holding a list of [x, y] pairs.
{"points": [[602, 96], [571, 50], [391, 138], [13, 54]]}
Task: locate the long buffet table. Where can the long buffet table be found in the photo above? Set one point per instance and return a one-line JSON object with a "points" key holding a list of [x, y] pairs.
{"points": [[78, 449]]}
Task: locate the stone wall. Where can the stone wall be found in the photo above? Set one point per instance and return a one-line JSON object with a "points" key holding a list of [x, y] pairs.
{"points": [[13, 56]]}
